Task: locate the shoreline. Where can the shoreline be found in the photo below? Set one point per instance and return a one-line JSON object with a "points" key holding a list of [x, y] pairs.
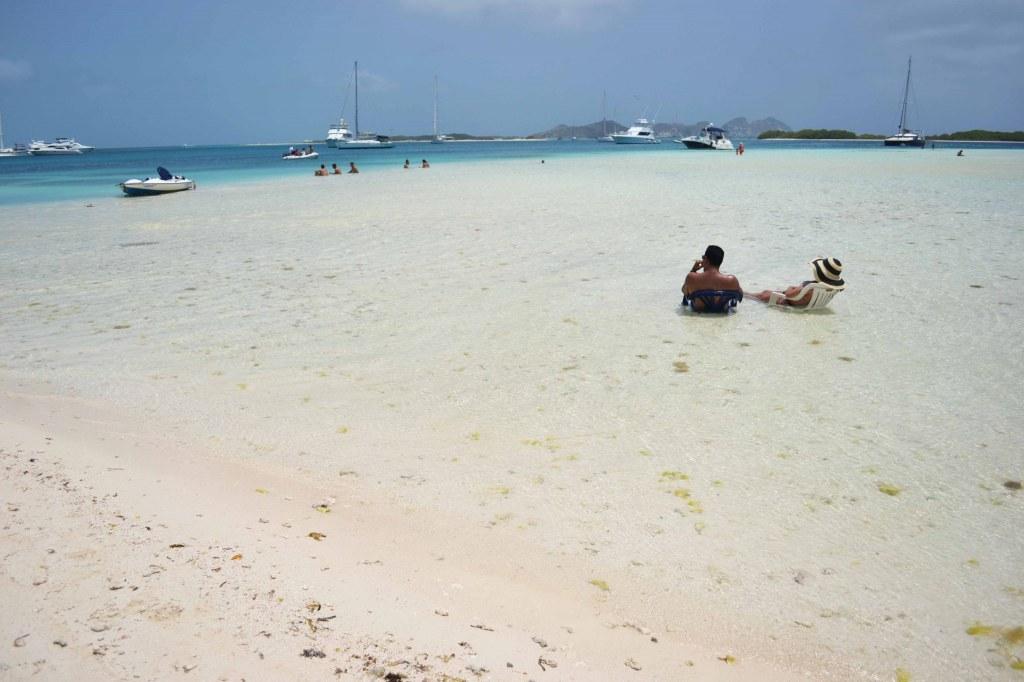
{"points": [[117, 531]]}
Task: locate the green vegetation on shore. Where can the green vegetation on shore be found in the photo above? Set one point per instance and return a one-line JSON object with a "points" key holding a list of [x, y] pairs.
{"points": [[982, 136], [817, 134], [828, 134]]}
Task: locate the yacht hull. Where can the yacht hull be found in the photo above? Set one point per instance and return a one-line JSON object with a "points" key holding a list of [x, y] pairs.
{"points": [[700, 144], [363, 144], [633, 139], [890, 142]]}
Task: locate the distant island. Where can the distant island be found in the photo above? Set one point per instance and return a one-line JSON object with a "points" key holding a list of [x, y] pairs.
{"points": [[981, 136], [838, 134], [817, 134], [736, 127]]}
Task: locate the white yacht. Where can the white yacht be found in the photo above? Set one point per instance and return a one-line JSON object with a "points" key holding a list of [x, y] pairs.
{"points": [[639, 133], [340, 137], [62, 146], [711, 137], [338, 132], [905, 137]]}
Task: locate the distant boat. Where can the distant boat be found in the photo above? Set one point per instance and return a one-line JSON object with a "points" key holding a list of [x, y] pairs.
{"points": [[904, 136], [340, 137], [165, 184], [710, 137], [62, 146], [639, 133], [16, 150], [437, 139], [294, 154]]}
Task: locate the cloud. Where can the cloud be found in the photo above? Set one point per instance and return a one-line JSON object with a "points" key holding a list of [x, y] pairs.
{"points": [[12, 70], [977, 34], [561, 13]]}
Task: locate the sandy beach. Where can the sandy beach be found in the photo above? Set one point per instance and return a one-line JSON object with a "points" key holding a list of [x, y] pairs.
{"points": [[452, 422]]}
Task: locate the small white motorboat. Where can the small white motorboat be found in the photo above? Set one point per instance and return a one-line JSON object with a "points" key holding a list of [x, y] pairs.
{"points": [[711, 137], [296, 154], [165, 184]]}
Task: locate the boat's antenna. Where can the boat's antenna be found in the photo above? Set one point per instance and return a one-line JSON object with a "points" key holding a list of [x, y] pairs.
{"points": [[357, 98]]}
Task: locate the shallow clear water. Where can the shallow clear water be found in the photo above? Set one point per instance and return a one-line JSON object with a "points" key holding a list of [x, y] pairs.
{"points": [[502, 340], [33, 179]]}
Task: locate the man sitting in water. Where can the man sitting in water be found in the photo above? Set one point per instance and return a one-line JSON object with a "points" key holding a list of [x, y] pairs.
{"points": [[705, 275], [320, 171], [352, 167]]}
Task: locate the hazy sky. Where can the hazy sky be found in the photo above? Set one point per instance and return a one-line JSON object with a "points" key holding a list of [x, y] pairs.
{"points": [[145, 72]]}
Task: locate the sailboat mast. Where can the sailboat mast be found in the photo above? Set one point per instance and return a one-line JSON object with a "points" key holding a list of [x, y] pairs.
{"points": [[357, 100], [2, 132], [604, 116], [435, 106], [906, 92]]}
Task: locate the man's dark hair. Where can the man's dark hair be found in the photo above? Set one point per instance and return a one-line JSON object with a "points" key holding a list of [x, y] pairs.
{"points": [[715, 255]]}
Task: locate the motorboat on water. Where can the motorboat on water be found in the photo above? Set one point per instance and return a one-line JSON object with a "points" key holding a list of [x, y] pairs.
{"points": [[164, 184], [639, 133], [340, 137], [905, 137], [62, 146], [711, 137], [294, 154]]}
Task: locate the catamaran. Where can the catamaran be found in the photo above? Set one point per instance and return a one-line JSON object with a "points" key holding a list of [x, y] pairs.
{"points": [[905, 137], [340, 137]]}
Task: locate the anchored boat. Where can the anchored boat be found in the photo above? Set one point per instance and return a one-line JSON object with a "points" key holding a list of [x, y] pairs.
{"points": [[164, 184], [904, 136]]}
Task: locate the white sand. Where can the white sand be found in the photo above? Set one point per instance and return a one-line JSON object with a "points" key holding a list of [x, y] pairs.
{"points": [[482, 363]]}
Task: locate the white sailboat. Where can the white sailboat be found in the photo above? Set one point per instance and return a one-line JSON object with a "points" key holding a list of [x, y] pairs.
{"points": [[905, 137], [16, 150], [437, 139], [340, 137], [605, 137]]}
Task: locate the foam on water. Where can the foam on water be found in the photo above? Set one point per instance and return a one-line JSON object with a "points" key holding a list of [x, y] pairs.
{"points": [[503, 341]]}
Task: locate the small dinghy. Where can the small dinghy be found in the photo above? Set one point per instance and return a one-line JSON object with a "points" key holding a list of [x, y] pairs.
{"points": [[296, 154], [165, 184]]}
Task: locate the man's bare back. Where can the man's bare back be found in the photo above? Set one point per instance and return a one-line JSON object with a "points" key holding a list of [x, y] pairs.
{"points": [[705, 274]]}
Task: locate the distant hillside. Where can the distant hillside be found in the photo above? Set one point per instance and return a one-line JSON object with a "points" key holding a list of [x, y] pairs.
{"points": [[736, 127], [982, 136], [817, 134]]}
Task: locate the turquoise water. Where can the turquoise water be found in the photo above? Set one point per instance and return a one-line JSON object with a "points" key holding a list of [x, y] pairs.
{"points": [[95, 175]]}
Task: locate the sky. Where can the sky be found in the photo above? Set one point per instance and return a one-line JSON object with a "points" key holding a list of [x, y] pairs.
{"points": [[131, 73]]}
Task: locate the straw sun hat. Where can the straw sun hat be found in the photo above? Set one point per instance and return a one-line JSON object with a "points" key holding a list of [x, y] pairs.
{"points": [[828, 271]]}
